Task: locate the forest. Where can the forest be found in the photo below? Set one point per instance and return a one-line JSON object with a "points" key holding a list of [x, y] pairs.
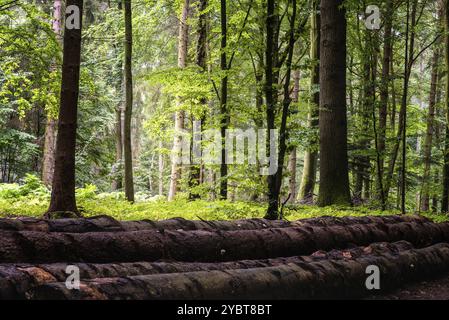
{"points": [[229, 148]]}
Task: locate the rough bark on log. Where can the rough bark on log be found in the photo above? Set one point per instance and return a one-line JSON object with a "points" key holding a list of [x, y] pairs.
{"points": [[108, 224], [207, 246], [17, 280], [316, 280]]}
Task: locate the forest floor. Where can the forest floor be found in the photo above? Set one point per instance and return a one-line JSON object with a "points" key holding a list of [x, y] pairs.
{"points": [[436, 289]]}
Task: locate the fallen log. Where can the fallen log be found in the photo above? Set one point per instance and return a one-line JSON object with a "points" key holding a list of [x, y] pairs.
{"points": [[108, 224], [17, 280], [324, 279], [207, 246]]}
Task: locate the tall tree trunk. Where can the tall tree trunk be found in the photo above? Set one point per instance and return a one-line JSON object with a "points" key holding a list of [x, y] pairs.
{"points": [[381, 133], [224, 102], [334, 176], [276, 181], [409, 58], [306, 190], [176, 168], [63, 191], [129, 180], [48, 160], [117, 184], [271, 97], [201, 56], [445, 196], [384, 92], [425, 197]]}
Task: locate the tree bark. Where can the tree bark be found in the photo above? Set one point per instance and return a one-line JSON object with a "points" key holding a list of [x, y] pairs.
{"points": [[63, 191], [445, 195], [17, 280], [224, 114], [307, 187], [108, 224], [275, 180], [128, 155], [183, 39], [48, 158], [196, 170], [384, 92], [337, 278], [334, 176], [206, 246]]}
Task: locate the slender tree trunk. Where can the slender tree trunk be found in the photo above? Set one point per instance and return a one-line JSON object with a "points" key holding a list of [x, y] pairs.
{"points": [[176, 169], [63, 191], [48, 160], [292, 162], [306, 190], [276, 180], [271, 97], [117, 184], [161, 169], [201, 56], [409, 58], [384, 98], [425, 197], [384, 92], [445, 196], [224, 102], [334, 177], [129, 180]]}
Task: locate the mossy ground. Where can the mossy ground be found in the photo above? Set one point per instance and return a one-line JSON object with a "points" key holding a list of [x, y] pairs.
{"points": [[31, 199]]}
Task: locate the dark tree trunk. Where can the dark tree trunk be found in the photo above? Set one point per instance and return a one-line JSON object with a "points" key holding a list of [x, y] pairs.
{"points": [[129, 180], [63, 191], [275, 182], [224, 114], [271, 97], [445, 196], [334, 177]]}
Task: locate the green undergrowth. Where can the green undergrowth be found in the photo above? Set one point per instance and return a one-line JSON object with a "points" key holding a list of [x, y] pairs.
{"points": [[31, 199]]}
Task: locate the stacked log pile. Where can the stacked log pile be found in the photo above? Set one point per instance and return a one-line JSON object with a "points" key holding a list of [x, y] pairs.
{"points": [[245, 259]]}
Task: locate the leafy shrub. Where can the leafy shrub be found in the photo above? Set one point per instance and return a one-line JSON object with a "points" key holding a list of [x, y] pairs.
{"points": [[31, 187]]}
